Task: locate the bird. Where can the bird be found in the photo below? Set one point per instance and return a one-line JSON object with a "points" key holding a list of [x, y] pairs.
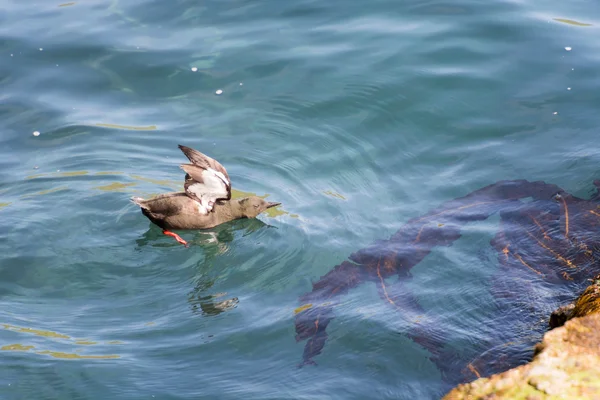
{"points": [[205, 201]]}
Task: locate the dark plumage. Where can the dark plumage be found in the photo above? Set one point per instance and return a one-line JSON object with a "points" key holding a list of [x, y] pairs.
{"points": [[206, 201]]}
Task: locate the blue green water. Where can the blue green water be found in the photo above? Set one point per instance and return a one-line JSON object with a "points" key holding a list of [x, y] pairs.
{"points": [[355, 115]]}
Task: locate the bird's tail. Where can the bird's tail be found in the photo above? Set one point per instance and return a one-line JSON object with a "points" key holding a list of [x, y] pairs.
{"points": [[137, 200]]}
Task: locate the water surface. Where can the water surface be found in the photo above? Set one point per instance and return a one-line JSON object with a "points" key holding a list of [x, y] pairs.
{"points": [[356, 116]]}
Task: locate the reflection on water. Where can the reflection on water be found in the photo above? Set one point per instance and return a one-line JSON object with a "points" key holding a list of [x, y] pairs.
{"points": [[54, 335], [571, 22], [356, 116], [131, 128], [45, 192], [115, 187], [36, 332], [75, 356], [334, 194], [209, 306], [16, 347]]}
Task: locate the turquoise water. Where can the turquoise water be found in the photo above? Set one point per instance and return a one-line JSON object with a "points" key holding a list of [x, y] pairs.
{"points": [[356, 116]]}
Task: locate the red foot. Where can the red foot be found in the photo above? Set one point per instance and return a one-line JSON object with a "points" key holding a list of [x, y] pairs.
{"points": [[177, 237]]}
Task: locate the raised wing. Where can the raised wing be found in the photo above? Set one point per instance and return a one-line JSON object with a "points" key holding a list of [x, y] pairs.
{"points": [[204, 161], [206, 180]]}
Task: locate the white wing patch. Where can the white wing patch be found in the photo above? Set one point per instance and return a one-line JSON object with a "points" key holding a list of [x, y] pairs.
{"points": [[201, 209], [220, 176], [213, 188], [206, 180]]}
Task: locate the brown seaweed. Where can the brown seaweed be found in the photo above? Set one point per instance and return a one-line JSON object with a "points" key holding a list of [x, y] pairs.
{"points": [[546, 236]]}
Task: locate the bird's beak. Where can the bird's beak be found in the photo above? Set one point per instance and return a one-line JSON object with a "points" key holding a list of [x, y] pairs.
{"points": [[273, 204]]}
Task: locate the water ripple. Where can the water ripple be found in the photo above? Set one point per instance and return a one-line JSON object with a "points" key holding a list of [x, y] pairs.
{"points": [[356, 118]]}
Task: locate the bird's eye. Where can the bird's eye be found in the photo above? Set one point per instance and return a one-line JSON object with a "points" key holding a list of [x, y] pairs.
{"points": [[256, 206]]}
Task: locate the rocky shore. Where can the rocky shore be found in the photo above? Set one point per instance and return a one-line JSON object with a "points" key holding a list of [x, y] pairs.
{"points": [[565, 365]]}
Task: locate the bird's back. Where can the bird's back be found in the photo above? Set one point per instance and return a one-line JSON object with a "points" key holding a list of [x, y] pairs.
{"points": [[178, 211]]}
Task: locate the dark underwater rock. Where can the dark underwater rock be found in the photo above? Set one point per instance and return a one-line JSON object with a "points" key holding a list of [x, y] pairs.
{"points": [[566, 364]]}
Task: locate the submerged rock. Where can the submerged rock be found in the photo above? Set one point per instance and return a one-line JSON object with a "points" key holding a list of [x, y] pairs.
{"points": [[566, 364], [547, 242]]}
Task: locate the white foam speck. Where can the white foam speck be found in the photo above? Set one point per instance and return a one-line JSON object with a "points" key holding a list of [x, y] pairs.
{"points": [[194, 69], [11, 55], [41, 49], [567, 48], [555, 112], [568, 88], [219, 91], [36, 133], [241, 84]]}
